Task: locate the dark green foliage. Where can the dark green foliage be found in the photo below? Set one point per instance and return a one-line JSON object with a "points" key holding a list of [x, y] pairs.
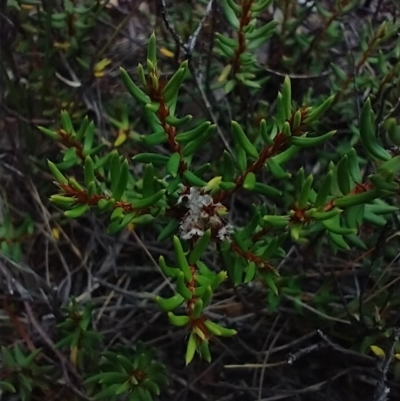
{"points": [[300, 127]]}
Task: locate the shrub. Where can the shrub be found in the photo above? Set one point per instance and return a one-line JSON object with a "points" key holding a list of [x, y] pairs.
{"points": [[317, 168]]}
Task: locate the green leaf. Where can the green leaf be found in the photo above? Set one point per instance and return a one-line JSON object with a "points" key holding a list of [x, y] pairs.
{"points": [[181, 258], [234, 6], [133, 89], [230, 15], [148, 202], [251, 227], [151, 386], [155, 139], [264, 32], [338, 72], [50, 133], [317, 112], [367, 133], [207, 296], [19, 356], [269, 278], [152, 49], [154, 158], [265, 134], [287, 98], [333, 225], [125, 387], [192, 146], [230, 86], [307, 142], [82, 129], [122, 182], [31, 357], [230, 42], [219, 330], [358, 199], [276, 170], [5, 386], [77, 211], [250, 272], [338, 241], [194, 133], [169, 304], [60, 178], [168, 271], [25, 383], [250, 181], [393, 130], [277, 221], [322, 215], [191, 348], [343, 178], [200, 247], [182, 288], [259, 6], [66, 122], [391, 168], [148, 181], [243, 141], [89, 171], [305, 192], [177, 122], [168, 230], [108, 392], [178, 321], [286, 155], [324, 190], [89, 136], [198, 309], [125, 363], [142, 219], [354, 166], [266, 190], [193, 179], [174, 84], [173, 164], [115, 168]]}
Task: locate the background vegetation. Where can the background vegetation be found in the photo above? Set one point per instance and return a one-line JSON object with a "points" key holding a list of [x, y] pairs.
{"points": [[278, 120]]}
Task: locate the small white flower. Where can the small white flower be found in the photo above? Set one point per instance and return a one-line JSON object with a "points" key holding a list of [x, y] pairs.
{"points": [[194, 232], [225, 232], [202, 214]]}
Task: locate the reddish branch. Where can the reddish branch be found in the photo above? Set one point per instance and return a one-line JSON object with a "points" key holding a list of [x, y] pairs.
{"points": [[251, 257], [269, 151], [82, 197], [156, 95], [195, 322], [245, 19], [70, 142]]}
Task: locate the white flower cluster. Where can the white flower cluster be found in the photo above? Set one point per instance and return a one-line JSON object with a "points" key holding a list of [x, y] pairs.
{"points": [[202, 214]]}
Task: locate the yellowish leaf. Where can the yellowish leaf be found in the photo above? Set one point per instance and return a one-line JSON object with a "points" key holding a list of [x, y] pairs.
{"points": [[121, 138], [213, 183], [130, 227], [62, 45], [167, 53], [225, 72], [397, 356], [55, 232], [73, 356], [98, 69], [378, 351]]}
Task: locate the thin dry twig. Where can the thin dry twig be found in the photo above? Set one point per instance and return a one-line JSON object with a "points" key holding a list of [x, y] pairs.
{"points": [[382, 390]]}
